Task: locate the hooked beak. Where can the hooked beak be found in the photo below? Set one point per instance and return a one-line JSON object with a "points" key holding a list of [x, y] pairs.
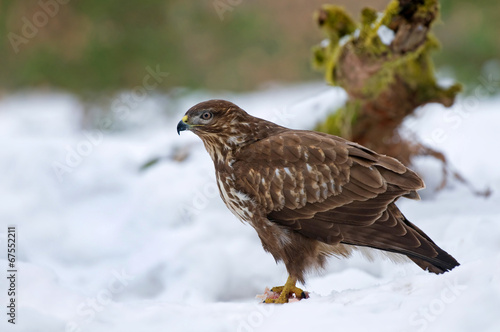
{"points": [[182, 125]]}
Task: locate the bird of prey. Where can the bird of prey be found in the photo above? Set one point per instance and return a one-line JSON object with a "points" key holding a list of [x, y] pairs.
{"points": [[310, 195]]}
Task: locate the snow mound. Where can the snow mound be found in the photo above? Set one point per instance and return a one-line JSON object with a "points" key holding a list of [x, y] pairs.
{"points": [[106, 244]]}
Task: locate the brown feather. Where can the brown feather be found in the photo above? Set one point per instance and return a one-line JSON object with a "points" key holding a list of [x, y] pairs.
{"points": [[310, 195]]}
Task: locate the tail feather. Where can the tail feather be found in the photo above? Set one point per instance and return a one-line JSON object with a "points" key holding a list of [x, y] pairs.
{"points": [[441, 263], [395, 233], [425, 265]]}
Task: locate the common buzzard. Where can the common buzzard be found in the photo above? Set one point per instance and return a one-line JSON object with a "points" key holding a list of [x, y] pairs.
{"points": [[310, 195]]}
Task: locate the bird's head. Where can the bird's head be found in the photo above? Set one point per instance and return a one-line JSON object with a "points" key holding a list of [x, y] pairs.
{"points": [[212, 117], [223, 126]]}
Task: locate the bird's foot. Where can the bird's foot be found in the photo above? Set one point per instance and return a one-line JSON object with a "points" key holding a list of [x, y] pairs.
{"points": [[287, 293]]}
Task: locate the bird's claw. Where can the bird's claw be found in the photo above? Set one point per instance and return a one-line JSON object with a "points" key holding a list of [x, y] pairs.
{"points": [[284, 294]]}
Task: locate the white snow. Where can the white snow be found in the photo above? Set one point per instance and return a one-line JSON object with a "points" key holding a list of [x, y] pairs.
{"points": [[385, 34], [103, 246], [344, 39]]}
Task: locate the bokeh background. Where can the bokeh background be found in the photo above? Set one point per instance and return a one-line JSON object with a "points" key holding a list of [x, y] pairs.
{"points": [[120, 225], [98, 46]]}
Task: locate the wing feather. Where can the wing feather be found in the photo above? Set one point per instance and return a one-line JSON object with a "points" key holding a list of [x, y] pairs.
{"points": [[323, 186]]}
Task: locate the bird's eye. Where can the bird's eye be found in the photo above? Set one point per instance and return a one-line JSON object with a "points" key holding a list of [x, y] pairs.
{"points": [[206, 115]]}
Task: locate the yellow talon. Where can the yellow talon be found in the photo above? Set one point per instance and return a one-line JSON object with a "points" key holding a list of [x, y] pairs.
{"points": [[286, 292]]}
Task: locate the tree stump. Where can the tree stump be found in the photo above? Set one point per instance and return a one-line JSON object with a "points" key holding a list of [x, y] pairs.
{"points": [[383, 64]]}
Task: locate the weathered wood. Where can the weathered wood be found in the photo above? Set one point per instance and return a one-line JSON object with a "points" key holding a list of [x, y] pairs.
{"points": [[386, 78]]}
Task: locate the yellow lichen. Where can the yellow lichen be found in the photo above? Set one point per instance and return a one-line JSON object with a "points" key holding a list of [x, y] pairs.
{"points": [[414, 67], [335, 22], [340, 122]]}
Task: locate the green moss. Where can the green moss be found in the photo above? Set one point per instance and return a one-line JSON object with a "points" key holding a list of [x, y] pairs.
{"points": [[390, 11], [368, 17], [370, 40], [340, 122], [319, 57], [378, 82], [415, 67], [335, 22], [330, 65], [325, 58], [429, 6]]}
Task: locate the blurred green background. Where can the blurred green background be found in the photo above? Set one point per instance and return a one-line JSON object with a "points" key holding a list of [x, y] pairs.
{"points": [[102, 46]]}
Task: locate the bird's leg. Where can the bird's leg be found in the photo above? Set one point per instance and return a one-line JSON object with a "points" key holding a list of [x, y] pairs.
{"points": [[286, 292]]}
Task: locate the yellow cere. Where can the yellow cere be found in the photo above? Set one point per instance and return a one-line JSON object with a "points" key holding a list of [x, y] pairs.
{"points": [[185, 119]]}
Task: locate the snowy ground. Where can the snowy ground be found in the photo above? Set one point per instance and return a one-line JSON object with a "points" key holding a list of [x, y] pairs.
{"points": [[104, 246]]}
